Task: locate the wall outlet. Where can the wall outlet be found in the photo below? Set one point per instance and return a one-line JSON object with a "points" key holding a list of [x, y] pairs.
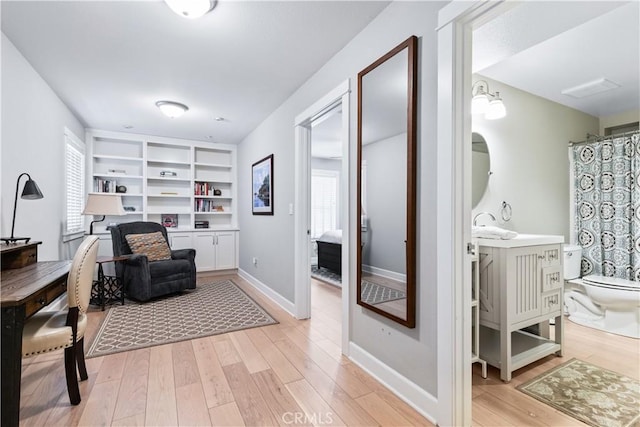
{"points": [[255, 261]]}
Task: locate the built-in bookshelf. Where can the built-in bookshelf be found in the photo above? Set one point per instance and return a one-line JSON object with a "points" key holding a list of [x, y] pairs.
{"points": [[190, 181]]}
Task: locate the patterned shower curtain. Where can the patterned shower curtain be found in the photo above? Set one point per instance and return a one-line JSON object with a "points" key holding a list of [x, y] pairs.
{"points": [[607, 219]]}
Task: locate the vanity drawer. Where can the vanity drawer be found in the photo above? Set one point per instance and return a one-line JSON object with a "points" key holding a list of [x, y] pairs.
{"points": [[551, 278], [551, 302], [550, 255]]}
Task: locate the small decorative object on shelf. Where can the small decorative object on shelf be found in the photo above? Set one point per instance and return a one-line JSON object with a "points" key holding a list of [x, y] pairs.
{"points": [[170, 220], [219, 209], [217, 192], [201, 224], [121, 189], [122, 171], [129, 208], [168, 173], [169, 193]]}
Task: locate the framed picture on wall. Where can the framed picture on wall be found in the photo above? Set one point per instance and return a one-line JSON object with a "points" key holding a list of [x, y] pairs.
{"points": [[262, 186]]}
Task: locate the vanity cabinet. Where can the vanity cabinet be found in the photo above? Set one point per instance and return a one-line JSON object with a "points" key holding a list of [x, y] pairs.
{"points": [[521, 285]]}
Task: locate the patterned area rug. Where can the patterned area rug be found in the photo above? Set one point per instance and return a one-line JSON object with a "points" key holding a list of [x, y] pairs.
{"points": [[593, 395], [210, 309], [326, 275], [373, 293]]}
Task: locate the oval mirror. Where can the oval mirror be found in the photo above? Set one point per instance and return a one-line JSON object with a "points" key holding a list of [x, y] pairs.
{"points": [[387, 96], [481, 167]]}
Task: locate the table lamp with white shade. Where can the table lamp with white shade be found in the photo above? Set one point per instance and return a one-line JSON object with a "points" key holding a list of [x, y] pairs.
{"points": [[103, 204]]}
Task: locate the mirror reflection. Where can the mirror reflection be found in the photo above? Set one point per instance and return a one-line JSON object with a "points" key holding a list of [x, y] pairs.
{"points": [[481, 167], [386, 137]]}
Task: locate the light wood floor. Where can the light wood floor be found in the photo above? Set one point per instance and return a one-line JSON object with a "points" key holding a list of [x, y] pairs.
{"points": [[292, 373], [273, 374], [498, 404]]}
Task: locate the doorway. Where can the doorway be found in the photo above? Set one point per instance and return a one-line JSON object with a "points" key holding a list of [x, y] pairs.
{"points": [[332, 106]]}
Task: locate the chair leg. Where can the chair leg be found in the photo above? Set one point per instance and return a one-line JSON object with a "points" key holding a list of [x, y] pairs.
{"points": [[82, 367], [70, 373]]}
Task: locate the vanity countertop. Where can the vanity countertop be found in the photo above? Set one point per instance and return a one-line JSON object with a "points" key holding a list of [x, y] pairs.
{"points": [[522, 240]]}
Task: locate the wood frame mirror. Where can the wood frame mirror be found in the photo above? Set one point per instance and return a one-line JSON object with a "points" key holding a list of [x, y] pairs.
{"points": [[386, 184]]}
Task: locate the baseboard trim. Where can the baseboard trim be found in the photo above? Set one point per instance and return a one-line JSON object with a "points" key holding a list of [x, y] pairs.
{"points": [[402, 387], [284, 303], [384, 273]]}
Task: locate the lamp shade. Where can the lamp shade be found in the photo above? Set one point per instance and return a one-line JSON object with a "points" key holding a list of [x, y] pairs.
{"points": [[104, 204], [496, 109], [31, 191]]}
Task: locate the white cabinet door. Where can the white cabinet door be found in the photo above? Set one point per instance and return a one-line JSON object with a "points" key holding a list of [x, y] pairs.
{"points": [[204, 244], [180, 241], [225, 250]]}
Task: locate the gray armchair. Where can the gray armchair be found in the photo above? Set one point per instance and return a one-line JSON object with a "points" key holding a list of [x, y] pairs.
{"points": [[144, 279]]}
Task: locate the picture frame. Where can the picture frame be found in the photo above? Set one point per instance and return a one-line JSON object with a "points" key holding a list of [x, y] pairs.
{"points": [[170, 220], [262, 186]]}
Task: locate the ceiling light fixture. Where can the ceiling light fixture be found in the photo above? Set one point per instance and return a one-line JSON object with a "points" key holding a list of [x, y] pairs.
{"points": [[172, 109], [191, 9], [485, 102]]}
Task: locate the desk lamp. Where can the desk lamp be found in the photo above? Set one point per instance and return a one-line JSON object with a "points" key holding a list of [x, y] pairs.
{"points": [[103, 204], [29, 192]]}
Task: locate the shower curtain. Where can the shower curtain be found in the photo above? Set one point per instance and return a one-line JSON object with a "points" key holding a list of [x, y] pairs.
{"points": [[607, 214]]}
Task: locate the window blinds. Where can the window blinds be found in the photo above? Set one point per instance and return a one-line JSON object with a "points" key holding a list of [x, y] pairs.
{"points": [[324, 201], [74, 162]]}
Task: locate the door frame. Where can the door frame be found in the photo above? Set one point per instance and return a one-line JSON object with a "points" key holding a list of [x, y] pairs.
{"points": [[302, 262], [456, 22]]}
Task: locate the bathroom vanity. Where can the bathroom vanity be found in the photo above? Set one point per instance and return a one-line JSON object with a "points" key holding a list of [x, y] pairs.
{"points": [[521, 287]]}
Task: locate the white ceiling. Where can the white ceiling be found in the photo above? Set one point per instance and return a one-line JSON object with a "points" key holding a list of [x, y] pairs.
{"points": [[110, 61], [546, 47]]}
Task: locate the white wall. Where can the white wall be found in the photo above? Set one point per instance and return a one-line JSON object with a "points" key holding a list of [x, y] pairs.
{"points": [[411, 352], [529, 160], [33, 122], [619, 119]]}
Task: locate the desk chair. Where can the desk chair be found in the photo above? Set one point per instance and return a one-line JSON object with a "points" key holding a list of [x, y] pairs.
{"points": [[50, 331]]}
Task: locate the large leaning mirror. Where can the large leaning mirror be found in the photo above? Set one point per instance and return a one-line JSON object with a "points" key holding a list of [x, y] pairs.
{"points": [[387, 95], [480, 167]]}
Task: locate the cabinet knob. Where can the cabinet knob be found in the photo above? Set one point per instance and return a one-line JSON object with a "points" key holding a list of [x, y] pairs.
{"points": [[42, 301]]}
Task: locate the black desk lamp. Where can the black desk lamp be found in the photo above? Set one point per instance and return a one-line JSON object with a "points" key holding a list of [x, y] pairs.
{"points": [[29, 192]]}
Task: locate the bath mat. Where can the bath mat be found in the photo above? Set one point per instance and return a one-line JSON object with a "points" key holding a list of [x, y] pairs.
{"points": [[326, 275], [210, 309], [373, 293], [593, 395]]}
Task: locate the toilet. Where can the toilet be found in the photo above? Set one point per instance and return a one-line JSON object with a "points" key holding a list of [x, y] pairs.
{"points": [[606, 303]]}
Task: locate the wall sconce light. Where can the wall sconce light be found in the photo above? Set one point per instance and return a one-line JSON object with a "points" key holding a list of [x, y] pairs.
{"points": [[191, 9], [31, 191], [485, 102], [103, 204], [172, 109]]}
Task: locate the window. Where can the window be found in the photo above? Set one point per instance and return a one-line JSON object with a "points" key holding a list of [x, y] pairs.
{"points": [[324, 201], [74, 183]]}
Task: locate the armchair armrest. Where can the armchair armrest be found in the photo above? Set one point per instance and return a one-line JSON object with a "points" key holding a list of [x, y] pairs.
{"points": [[137, 260], [188, 254]]}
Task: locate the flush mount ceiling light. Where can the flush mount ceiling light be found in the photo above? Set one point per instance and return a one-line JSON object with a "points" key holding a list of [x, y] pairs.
{"points": [[485, 102], [172, 109], [190, 9]]}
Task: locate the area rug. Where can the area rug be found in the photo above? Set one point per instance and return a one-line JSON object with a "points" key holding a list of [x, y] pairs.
{"points": [[593, 395], [210, 309], [326, 275], [373, 293]]}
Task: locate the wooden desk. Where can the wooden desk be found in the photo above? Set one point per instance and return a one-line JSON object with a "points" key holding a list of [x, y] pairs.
{"points": [[18, 255], [23, 292]]}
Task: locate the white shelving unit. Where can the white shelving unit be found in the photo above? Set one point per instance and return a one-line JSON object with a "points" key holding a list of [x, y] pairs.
{"points": [[165, 176], [475, 309]]}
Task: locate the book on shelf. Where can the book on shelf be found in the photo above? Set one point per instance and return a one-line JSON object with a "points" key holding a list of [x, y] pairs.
{"points": [[203, 189], [104, 185]]}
